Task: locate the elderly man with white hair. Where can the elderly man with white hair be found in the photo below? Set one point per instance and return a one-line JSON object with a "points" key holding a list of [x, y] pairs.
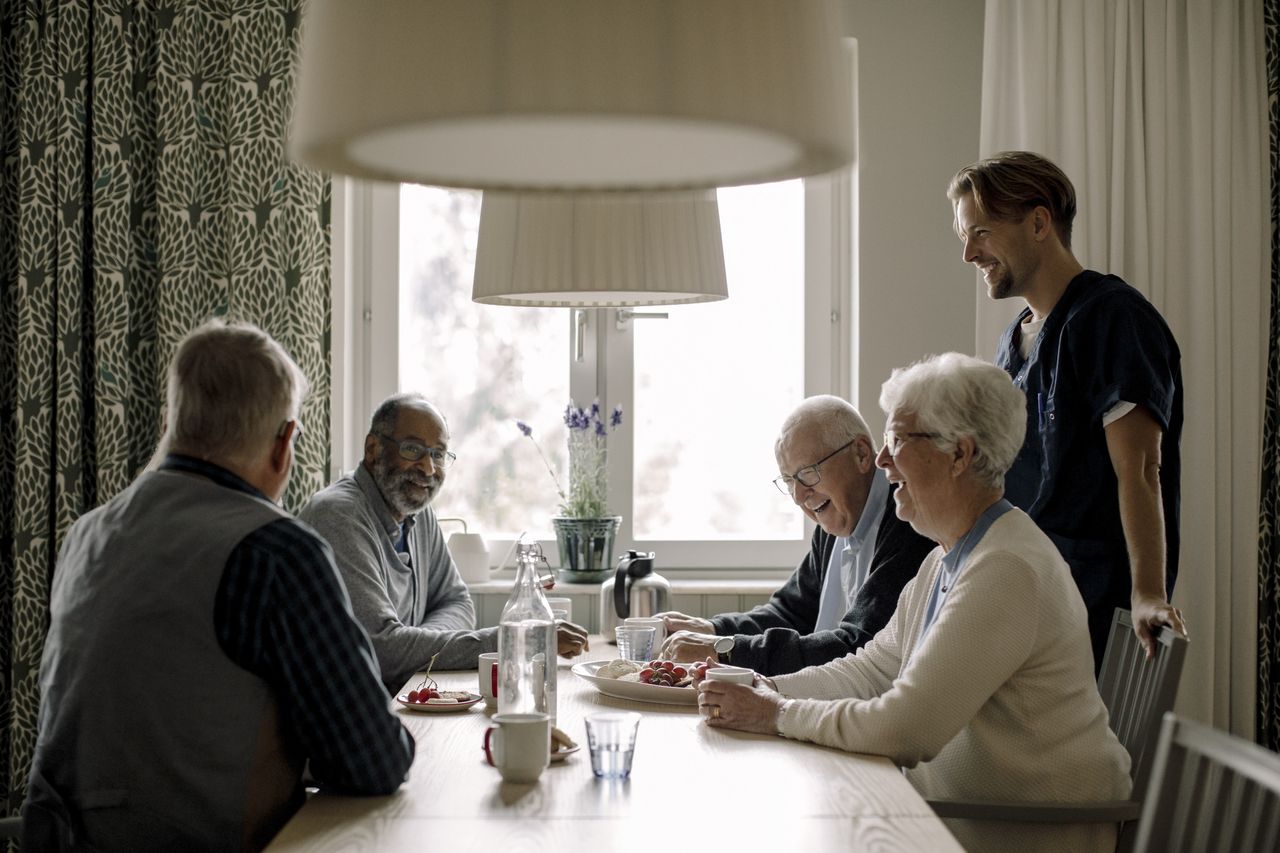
{"points": [[860, 557], [981, 685]]}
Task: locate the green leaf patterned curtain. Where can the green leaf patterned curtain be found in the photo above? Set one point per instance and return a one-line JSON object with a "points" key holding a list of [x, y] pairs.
{"points": [[143, 189], [1268, 723]]}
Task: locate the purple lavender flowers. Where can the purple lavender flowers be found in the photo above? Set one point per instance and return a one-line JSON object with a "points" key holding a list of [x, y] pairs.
{"points": [[588, 459]]}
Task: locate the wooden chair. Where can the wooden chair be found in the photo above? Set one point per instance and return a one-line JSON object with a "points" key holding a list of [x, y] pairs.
{"points": [[1210, 791], [1136, 692], [1139, 692]]}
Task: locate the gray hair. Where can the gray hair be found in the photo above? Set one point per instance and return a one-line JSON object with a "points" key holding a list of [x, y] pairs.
{"points": [[835, 420], [385, 416], [961, 396], [231, 388]]}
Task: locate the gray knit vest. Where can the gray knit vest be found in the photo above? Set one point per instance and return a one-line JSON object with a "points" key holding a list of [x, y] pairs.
{"points": [[150, 738]]}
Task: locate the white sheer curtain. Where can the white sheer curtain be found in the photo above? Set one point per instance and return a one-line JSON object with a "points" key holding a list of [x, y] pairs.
{"points": [[1157, 110]]}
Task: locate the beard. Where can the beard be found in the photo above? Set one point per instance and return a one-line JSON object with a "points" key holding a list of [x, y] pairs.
{"points": [[403, 488], [1001, 287], [1013, 275]]}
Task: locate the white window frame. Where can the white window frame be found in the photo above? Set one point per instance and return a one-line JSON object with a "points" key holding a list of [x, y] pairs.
{"points": [[365, 351]]}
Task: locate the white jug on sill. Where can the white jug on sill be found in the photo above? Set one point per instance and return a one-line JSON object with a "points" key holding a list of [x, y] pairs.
{"points": [[469, 552]]}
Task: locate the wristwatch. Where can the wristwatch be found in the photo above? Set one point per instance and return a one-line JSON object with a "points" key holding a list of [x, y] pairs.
{"points": [[723, 646]]}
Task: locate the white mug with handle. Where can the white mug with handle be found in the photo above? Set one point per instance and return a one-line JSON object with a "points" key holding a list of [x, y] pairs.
{"points": [[519, 745], [732, 674], [487, 666]]}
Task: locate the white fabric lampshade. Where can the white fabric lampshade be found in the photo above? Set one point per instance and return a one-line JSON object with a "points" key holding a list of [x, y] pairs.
{"points": [[573, 95], [549, 249]]}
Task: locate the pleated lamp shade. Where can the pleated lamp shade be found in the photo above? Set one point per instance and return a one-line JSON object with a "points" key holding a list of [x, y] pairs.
{"points": [[573, 95], [549, 249]]}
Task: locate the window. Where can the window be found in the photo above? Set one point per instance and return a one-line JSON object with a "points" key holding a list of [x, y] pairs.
{"points": [[485, 367], [713, 383], [704, 390]]}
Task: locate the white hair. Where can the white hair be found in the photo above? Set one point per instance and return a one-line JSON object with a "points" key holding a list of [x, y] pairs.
{"points": [[835, 421], [960, 396], [231, 389]]}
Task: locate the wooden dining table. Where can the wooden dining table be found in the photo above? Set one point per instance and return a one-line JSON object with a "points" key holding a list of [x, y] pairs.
{"points": [[690, 783]]}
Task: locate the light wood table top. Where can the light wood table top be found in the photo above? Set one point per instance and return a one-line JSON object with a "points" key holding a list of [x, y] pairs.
{"points": [[688, 782]]}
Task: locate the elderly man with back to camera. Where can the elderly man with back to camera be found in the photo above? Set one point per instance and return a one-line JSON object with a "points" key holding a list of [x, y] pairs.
{"points": [[201, 648], [981, 685]]}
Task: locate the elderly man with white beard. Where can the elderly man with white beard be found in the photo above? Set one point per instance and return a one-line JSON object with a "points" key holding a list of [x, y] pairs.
{"points": [[404, 586]]}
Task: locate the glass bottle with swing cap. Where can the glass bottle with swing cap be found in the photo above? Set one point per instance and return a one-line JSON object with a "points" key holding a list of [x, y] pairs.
{"points": [[527, 639]]}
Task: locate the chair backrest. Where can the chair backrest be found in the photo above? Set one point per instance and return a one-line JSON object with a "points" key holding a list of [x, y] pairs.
{"points": [[1137, 691], [1210, 791]]}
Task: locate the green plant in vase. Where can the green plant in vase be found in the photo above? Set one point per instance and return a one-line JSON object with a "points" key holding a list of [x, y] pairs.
{"points": [[584, 529]]}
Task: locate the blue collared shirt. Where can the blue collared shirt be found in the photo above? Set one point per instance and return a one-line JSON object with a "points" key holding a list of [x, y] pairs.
{"points": [[953, 563], [850, 561]]}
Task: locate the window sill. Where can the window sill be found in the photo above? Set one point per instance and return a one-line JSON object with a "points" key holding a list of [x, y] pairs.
{"points": [[693, 586], [695, 596]]}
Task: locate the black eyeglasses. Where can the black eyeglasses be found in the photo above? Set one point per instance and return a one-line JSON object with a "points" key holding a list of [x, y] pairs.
{"points": [[893, 441], [809, 475], [412, 451], [297, 429]]}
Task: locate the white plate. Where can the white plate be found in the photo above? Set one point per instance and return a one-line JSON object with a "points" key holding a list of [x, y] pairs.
{"points": [[562, 754], [634, 689], [403, 699]]}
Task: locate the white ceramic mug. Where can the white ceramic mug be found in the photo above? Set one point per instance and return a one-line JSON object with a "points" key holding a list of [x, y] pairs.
{"points": [[519, 745], [732, 674], [487, 664], [654, 622], [471, 555]]}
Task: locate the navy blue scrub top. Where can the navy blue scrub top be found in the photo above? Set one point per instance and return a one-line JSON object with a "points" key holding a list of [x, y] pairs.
{"points": [[1101, 344]]}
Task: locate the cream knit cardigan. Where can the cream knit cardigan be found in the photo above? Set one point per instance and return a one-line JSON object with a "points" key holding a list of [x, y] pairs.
{"points": [[999, 701]]}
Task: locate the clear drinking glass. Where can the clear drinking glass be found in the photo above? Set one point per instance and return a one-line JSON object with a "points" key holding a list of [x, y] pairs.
{"points": [[635, 642], [611, 738]]}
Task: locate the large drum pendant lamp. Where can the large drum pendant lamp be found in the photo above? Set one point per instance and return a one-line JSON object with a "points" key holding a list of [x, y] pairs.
{"points": [[573, 95], [599, 250]]}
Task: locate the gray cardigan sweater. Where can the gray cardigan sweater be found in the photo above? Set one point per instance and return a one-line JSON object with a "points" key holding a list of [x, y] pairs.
{"points": [[410, 614]]}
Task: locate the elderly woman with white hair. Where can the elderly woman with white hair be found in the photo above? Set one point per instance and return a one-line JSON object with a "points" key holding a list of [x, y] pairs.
{"points": [[981, 685]]}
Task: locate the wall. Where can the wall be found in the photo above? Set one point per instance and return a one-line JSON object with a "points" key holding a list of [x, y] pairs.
{"points": [[919, 99]]}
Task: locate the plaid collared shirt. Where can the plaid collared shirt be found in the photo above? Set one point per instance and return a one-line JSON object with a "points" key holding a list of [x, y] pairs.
{"points": [[282, 613]]}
